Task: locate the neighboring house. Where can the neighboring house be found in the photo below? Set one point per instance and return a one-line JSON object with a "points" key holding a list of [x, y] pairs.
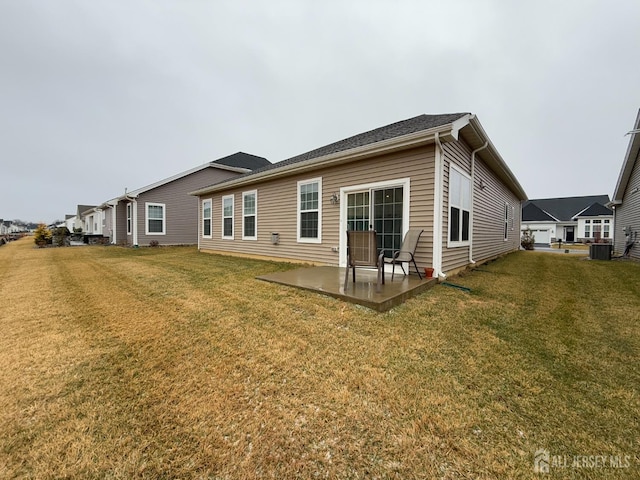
{"points": [[9, 227], [570, 219], [70, 222], [440, 173], [82, 218], [626, 197], [92, 220], [164, 211], [4, 229]]}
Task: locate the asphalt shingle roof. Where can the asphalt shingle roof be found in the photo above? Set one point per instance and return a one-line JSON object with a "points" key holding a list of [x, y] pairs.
{"points": [[243, 160], [533, 213], [564, 209], [596, 209], [397, 129], [84, 208]]}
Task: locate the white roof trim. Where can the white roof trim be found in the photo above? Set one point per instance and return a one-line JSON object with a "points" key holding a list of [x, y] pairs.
{"points": [[633, 150], [497, 158], [134, 193], [552, 216], [357, 153]]}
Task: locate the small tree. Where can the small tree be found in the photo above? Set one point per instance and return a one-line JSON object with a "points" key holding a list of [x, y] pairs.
{"points": [[42, 235], [527, 240], [60, 235]]}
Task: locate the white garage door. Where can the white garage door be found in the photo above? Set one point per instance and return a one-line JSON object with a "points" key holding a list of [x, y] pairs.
{"points": [[541, 236]]}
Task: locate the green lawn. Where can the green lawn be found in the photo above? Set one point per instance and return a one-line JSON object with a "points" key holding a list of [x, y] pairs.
{"points": [[168, 363]]}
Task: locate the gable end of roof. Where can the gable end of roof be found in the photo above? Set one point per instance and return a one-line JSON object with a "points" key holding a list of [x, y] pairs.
{"points": [[630, 159]]}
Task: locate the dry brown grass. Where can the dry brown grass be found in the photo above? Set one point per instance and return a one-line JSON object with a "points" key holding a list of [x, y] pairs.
{"points": [[165, 363]]}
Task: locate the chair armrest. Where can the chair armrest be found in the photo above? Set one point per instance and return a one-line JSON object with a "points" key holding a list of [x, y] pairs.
{"points": [[392, 250]]}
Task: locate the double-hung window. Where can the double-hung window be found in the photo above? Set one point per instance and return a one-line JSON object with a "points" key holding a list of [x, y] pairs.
{"points": [[587, 229], [206, 218], [249, 215], [155, 224], [597, 229], [310, 211], [128, 219], [227, 216], [605, 229], [506, 221], [459, 207]]}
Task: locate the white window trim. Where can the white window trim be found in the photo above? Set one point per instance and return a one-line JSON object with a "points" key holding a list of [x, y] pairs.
{"points": [[228, 237], [506, 221], [513, 217], [129, 215], [210, 218], [146, 218], [300, 239], [405, 183], [460, 243], [255, 215]]}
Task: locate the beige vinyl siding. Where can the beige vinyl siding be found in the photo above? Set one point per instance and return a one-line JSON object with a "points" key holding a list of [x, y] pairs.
{"points": [[487, 211], [277, 207], [181, 209], [488, 215], [459, 154], [628, 213]]}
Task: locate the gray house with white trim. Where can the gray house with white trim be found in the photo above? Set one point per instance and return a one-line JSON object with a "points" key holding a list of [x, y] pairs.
{"points": [[626, 198], [439, 173], [164, 212]]}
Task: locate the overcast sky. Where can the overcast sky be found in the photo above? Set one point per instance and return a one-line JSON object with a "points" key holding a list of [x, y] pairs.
{"points": [[99, 96]]}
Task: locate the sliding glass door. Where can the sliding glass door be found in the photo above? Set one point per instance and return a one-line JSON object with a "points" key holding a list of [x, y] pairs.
{"points": [[379, 209]]}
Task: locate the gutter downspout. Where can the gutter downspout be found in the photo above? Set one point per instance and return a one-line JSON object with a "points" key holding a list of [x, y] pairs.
{"points": [[437, 209], [473, 179]]}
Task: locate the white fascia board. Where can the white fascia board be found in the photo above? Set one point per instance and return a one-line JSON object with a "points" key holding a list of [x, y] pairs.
{"points": [[358, 153], [109, 203], [579, 213], [135, 193], [457, 125], [499, 162], [89, 211], [633, 151], [556, 219]]}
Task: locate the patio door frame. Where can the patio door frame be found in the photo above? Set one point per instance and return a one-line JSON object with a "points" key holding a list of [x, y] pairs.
{"points": [[405, 183]]}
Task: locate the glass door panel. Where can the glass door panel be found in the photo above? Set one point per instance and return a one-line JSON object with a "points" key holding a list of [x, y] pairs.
{"points": [[387, 217], [358, 211]]}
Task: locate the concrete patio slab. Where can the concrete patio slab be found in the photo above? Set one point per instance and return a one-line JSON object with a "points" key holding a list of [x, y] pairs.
{"points": [[329, 281]]}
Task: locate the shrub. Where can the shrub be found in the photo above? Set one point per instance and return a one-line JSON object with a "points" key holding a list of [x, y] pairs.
{"points": [[527, 240], [42, 235], [60, 235], [154, 243]]}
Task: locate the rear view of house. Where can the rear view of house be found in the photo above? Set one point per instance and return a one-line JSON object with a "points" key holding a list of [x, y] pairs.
{"points": [[626, 199], [164, 212], [438, 173]]}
